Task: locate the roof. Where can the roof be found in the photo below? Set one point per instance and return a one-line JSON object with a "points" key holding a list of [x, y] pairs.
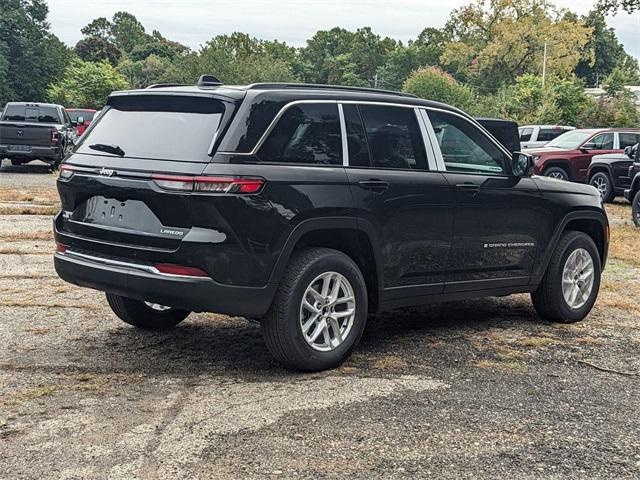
{"points": [[35, 104]]}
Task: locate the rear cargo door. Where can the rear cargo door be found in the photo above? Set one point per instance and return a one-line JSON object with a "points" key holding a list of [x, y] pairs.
{"points": [[110, 195]]}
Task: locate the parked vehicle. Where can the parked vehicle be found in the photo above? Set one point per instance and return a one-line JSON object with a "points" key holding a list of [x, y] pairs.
{"points": [[30, 131], [309, 207], [633, 192], [83, 118], [610, 173], [568, 156], [505, 131], [535, 136]]}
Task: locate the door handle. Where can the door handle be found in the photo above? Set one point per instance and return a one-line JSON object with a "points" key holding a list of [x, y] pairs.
{"points": [[470, 189], [373, 184]]}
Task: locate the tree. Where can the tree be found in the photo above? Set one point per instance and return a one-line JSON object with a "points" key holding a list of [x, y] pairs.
{"points": [[613, 6], [86, 85], [97, 49], [496, 41], [153, 69], [127, 31], [608, 52], [434, 84], [30, 56]]}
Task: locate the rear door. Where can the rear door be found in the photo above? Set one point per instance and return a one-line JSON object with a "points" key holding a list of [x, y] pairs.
{"points": [[107, 190], [397, 190], [499, 219]]}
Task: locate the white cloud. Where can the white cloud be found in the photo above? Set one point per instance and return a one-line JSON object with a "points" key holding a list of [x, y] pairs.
{"points": [[193, 22]]}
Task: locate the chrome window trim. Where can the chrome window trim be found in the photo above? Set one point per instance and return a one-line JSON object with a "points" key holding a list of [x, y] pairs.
{"points": [[343, 135]]}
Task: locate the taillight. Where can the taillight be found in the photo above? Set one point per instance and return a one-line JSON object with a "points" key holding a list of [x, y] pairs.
{"points": [[170, 269], [209, 184], [66, 171], [61, 248], [55, 136]]}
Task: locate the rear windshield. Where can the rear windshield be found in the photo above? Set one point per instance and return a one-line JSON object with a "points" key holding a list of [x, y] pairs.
{"points": [[31, 113], [158, 127], [85, 114]]}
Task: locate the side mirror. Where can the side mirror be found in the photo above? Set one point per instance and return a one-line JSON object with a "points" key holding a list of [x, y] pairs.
{"points": [[74, 124], [522, 164], [588, 146], [628, 151]]}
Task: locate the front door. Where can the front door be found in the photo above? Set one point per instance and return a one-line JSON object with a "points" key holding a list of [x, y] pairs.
{"points": [[409, 205], [598, 145], [499, 218]]}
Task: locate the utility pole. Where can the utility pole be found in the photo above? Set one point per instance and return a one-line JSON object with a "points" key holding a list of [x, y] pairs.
{"points": [[544, 63], [375, 80]]}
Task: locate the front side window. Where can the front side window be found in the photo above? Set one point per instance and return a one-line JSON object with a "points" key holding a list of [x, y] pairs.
{"points": [[628, 139], [603, 141], [525, 134], [394, 137], [306, 133], [464, 147]]}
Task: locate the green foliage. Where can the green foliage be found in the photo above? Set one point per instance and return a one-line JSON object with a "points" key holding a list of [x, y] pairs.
{"points": [[86, 85], [434, 84], [616, 111], [97, 49], [30, 56]]}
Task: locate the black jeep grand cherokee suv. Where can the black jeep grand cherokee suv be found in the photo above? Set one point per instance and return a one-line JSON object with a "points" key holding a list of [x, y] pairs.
{"points": [[309, 207]]}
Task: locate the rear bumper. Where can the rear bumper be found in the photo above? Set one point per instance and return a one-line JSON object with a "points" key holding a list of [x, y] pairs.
{"points": [[188, 293], [45, 153]]}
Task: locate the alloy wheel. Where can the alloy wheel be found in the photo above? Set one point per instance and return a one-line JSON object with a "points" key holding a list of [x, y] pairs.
{"points": [[577, 278]]}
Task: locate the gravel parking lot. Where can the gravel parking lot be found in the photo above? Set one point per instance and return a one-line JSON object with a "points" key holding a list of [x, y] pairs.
{"points": [[479, 389]]}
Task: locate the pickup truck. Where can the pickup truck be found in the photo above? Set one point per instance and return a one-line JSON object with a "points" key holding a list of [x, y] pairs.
{"points": [[534, 136], [35, 131]]}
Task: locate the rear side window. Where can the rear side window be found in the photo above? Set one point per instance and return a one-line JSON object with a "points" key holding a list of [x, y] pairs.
{"points": [[548, 134], [356, 137], [305, 133], [14, 113], [158, 127], [629, 139], [394, 136], [525, 134]]}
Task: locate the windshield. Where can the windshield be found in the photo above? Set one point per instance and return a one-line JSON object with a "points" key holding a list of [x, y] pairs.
{"points": [[156, 127], [570, 140]]}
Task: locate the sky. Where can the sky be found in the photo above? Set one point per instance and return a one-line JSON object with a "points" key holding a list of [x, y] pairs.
{"points": [[193, 22]]}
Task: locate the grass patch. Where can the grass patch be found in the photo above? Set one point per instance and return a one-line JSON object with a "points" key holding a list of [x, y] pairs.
{"points": [[625, 244], [29, 210], [24, 195], [389, 362], [27, 395], [501, 366], [28, 236], [536, 342]]}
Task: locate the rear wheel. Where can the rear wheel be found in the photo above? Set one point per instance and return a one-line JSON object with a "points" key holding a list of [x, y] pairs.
{"points": [[602, 181], [635, 209], [319, 311], [556, 172], [145, 315], [571, 283]]}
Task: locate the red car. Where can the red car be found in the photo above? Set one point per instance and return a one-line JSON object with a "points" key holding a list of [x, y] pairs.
{"points": [[568, 156], [84, 114]]}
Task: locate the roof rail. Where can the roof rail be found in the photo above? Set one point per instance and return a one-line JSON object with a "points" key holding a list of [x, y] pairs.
{"points": [[162, 85], [270, 86]]}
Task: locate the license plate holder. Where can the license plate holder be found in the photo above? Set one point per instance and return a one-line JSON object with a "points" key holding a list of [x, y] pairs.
{"points": [[19, 148]]}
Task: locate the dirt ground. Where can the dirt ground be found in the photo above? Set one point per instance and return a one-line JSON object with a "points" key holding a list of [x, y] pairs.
{"points": [[479, 389]]}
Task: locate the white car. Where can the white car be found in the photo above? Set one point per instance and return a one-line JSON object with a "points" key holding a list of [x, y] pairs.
{"points": [[534, 136]]}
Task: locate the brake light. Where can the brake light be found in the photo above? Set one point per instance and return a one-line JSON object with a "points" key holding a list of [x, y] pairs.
{"points": [[60, 248], [170, 269], [55, 136], [209, 184]]}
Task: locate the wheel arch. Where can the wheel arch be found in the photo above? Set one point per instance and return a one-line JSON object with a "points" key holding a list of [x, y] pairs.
{"points": [[563, 163], [600, 168], [355, 238]]}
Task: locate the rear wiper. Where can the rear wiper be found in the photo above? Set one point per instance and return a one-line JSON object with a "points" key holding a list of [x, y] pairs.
{"points": [[103, 147]]}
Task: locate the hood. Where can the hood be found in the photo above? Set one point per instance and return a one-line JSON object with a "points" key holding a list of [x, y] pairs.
{"points": [[611, 156], [547, 184], [541, 150]]}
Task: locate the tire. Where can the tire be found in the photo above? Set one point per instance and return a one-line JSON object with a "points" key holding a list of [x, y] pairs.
{"points": [[557, 172], [141, 315], [549, 299], [635, 209], [282, 327], [16, 162], [602, 182]]}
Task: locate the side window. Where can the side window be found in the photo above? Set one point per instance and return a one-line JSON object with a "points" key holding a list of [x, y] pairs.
{"points": [[548, 134], [604, 141], [629, 139], [49, 115], [394, 137], [14, 113], [464, 147], [525, 134], [356, 137], [307, 133]]}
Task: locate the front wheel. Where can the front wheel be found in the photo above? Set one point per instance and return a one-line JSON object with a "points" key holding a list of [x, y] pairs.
{"points": [[319, 311], [602, 181], [145, 315], [571, 283], [557, 173], [635, 209]]}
